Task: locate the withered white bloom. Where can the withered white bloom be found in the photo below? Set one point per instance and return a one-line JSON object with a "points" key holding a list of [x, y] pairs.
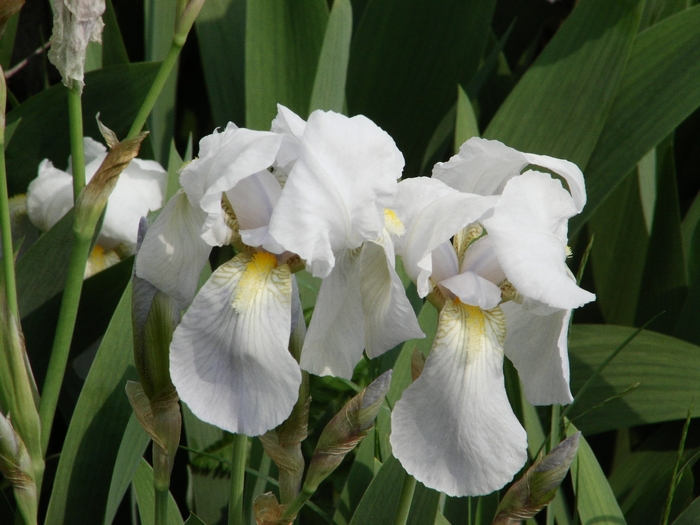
{"points": [[76, 23], [140, 189], [506, 289], [335, 214]]}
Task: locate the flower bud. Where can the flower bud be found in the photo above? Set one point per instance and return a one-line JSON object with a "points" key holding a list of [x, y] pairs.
{"points": [[16, 466], [347, 428], [154, 399], [531, 493], [93, 198]]}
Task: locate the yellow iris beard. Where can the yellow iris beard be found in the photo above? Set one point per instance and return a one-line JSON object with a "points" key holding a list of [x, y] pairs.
{"points": [[471, 329], [254, 279], [392, 223]]}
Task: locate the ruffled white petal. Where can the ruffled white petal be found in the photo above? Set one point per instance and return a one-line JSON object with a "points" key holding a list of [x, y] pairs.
{"points": [[569, 171], [173, 254], [485, 166], [528, 230], [335, 339], [49, 196], [431, 213], [537, 346], [140, 189], [229, 359], [335, 195], [291, 126], [474, 290], [225, 159], [453, 429], [482, 166], [389, 316], [481, 259]]}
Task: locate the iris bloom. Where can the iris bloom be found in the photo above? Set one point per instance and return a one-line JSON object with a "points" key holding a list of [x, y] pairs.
{"points": [[140, 189], [335, 214], [269, 194], [505, 289], [228, 358]]}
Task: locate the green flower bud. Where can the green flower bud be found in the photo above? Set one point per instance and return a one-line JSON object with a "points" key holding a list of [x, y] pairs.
{"points": [[16, 466], [531, 493], [347, 428]]}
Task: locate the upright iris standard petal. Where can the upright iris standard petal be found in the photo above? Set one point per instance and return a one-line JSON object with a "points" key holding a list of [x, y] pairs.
{"points": [[335, 195], [335, 339], [173, 254], [432, 213], [226, 158], [536, 344], [229, 358], [453, 429], [528, 231], [485, 166]]}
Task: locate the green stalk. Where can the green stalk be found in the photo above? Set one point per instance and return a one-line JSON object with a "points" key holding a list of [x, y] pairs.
{"points": [[163, 73], [161, 507], [409, 486], [64, 333], [295, 506], [553, 442], [5, 226], [75, 123], [238, 461]]}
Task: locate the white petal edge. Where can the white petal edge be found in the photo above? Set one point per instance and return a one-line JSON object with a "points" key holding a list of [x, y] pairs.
{"points": [[335, 339], [173, 254], [49, 196], [528, 230], [389, 316], [232, 366], [474, 290], [537, 346], [335, 195], [453, 429]]}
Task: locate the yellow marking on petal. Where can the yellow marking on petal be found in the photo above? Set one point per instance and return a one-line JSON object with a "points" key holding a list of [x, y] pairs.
{"points": [[392, 223], [100, 260], [569, 252], [470, 329], [465, 237], [255, 278]]}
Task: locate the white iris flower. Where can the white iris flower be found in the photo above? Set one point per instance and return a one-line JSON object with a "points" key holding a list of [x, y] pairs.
{"points": [[229, 357], [506, 290], [140, 189], [335, 214]]}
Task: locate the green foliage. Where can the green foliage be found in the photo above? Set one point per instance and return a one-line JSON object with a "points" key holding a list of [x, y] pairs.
{"points": [[611, 86]]}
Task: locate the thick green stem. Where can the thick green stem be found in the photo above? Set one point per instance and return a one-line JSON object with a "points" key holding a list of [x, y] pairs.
{"points": [[409, 486], [238, 462], [161, 506], [75, 123], [163, 73], [554, 437], [295, 506], [6, 231], [64, 335]]}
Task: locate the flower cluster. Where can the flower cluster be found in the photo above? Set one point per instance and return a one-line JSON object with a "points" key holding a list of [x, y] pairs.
{"points": [[485, 239]]}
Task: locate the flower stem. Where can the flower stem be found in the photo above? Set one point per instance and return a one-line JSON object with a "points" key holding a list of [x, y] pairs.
{"points": [[161, 506], [64, 334], [297, 503], [163, 73], [75, 123], [409, 486], [5, 225], [238, 462], [554, 437]]}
